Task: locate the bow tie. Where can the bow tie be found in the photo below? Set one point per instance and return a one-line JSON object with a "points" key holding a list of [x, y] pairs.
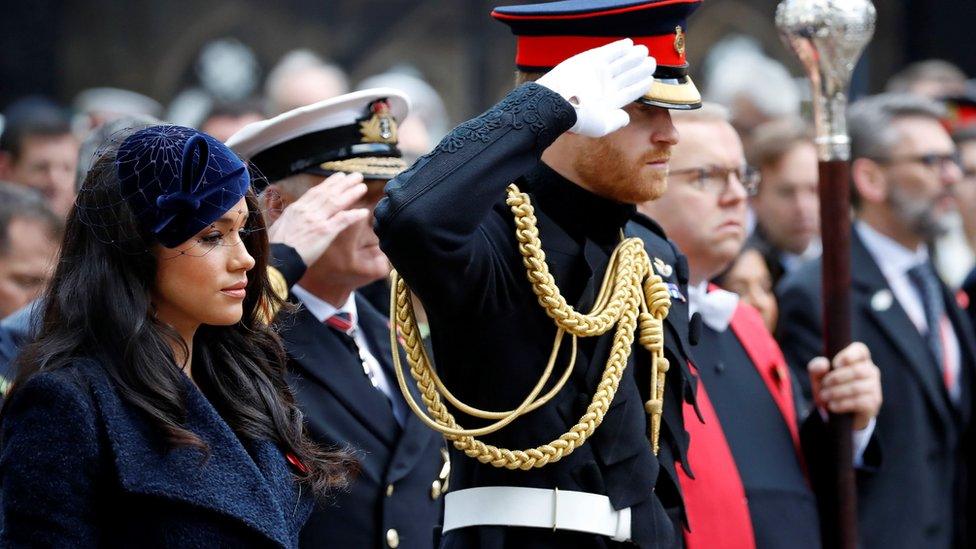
{"points": [[716, 307]]}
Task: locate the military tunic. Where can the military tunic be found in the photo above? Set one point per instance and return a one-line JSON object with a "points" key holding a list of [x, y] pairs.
{"points": [[445, 226]]}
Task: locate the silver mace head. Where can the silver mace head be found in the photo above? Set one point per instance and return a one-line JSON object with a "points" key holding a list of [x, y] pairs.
{"points": [[828, 36]]}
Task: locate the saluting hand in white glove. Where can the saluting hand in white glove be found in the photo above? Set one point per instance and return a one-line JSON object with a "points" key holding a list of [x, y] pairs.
{"points": [[600, 82]]}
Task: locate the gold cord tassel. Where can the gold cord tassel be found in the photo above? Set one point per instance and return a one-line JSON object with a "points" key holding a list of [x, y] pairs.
{"points": [[630, 294]]}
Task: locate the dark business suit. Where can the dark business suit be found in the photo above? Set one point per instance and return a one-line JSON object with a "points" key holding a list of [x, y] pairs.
{"points": [[913, 499], [445, 225], [80, 467], [771, 255], [342, 408]]}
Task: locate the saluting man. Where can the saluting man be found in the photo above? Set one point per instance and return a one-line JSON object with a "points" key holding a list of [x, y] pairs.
{"points": [[586, 135], [338, 344]]}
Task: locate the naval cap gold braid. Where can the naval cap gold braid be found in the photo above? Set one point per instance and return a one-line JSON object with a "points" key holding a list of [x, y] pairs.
{"points": [[630, 294]]}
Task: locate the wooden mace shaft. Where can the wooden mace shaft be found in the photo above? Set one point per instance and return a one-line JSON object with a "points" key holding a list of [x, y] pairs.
{"points": [[839, 506]]}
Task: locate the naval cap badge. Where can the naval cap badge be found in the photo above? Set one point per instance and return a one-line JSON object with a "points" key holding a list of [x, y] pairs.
{"points": [[380, 127]]}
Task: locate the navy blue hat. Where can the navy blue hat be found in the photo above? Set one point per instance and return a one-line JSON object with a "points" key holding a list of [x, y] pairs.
{"points": [[552, 32], [178, 180]]}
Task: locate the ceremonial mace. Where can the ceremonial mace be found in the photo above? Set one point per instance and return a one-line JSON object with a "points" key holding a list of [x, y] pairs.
{"points": [[828, 36]]}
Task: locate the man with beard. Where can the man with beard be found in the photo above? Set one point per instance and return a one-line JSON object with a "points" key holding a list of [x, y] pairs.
{"points": [[585, 136], [903, 171], [750, 487]]}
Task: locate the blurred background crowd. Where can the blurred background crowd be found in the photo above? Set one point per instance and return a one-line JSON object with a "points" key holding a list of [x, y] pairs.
{"points": [[72, 70], [73, 66]]}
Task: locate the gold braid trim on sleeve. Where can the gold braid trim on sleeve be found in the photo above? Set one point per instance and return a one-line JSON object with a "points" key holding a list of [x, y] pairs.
{"points": [[631, 295]]}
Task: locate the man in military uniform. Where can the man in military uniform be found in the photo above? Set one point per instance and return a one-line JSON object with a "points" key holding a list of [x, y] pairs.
{"points": [[583, 143], [338, 344]]}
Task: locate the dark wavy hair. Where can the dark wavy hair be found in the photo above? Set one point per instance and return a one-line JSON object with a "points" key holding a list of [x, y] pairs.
{"points": [[99, 305]]}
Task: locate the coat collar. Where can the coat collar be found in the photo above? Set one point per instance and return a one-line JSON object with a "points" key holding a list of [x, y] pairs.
{"points": [[320, 354], [415, 436], [256, 487], [673, 270], [868, 282]]}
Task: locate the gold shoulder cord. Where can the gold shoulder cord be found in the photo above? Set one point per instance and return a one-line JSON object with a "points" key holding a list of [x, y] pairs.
{"points": [[630, 294]]}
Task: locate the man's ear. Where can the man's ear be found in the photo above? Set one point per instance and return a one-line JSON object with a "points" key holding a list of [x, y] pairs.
{"points": [[274, 203], [869, 180]]}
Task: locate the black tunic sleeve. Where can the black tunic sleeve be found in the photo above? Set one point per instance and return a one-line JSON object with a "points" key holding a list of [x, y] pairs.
{"points": [[430, 223], [288, 262]]}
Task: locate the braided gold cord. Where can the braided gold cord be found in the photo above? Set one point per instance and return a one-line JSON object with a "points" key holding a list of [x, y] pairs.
{"points": [[630, 295]]}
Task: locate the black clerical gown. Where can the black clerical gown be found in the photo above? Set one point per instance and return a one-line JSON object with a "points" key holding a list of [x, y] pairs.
{"points": [[781, 505], [445, 226]]}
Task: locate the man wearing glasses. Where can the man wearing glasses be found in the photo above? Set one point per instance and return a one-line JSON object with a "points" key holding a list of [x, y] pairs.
{"points": [[747, 485], [903, 175]]}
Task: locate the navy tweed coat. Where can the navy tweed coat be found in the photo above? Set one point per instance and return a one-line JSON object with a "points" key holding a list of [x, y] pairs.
{"points": [[79, 467]]}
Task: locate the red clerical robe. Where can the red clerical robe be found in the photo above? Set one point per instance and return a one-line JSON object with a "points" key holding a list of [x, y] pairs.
{"points": [[715, 499]]}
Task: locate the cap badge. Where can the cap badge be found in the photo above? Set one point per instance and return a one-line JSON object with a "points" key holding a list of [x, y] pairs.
{"points": [[679, 40], [380, 127]]}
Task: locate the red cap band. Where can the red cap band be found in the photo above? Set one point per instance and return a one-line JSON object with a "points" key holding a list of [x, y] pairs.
{"points": [[960, 116], [549, 51]]}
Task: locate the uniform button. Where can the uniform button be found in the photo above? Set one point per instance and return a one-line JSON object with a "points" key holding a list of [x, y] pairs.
{"points": [[435, 489], [389, 490], [392, 538]]}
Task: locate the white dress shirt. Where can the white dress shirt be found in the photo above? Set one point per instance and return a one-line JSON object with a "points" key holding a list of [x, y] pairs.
{"points": [[895, 261], [322, 310]]}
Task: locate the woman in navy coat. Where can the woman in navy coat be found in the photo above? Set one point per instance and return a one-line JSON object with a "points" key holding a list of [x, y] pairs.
{"points": [[152, 411]]}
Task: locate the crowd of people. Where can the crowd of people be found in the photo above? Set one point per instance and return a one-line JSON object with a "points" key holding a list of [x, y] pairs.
{"points": [[199, 346]]}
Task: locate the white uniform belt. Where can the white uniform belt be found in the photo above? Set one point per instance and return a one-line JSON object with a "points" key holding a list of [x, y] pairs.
{"points": [[537, 508]]}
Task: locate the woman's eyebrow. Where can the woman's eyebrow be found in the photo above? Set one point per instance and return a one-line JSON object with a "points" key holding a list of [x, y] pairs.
{"points": [[229, 218]]}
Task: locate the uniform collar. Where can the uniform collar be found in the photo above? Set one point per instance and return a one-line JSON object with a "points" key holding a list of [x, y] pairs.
{"points": [[578, 211]]}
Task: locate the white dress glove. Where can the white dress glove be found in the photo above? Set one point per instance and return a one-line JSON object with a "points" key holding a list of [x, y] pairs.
{"points": [[600, 82]]}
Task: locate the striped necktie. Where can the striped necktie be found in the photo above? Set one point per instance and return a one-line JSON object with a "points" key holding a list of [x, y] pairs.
{"points": [[342, 321], [927, 285]]}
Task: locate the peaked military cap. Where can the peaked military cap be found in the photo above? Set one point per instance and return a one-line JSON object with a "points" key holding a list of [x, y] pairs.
{"points": [[549, 33], [355, 132], [960, 112]]}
